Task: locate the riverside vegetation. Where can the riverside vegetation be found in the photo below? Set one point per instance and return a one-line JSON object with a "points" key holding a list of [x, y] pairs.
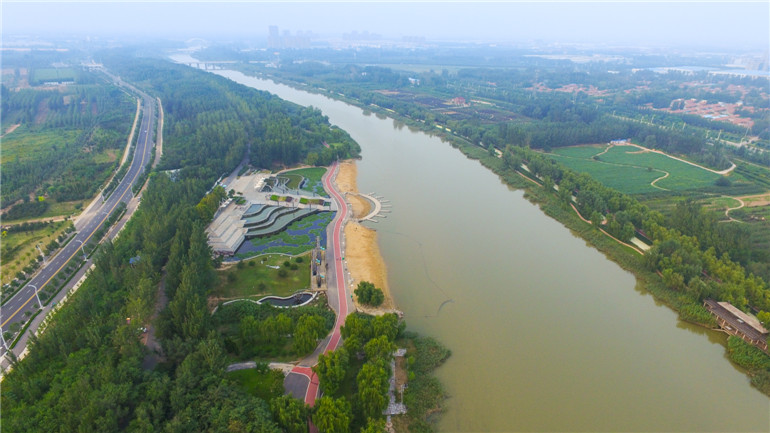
{"points": [[90, 371], [693, 255]]}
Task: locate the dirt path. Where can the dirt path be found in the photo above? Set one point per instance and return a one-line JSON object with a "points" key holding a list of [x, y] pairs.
{"points": [[10, 129], [722, 172], [727, 211], [652, 184]]}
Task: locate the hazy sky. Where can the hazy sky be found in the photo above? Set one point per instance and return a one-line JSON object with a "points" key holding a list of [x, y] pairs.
{"points": [[704, 24]]}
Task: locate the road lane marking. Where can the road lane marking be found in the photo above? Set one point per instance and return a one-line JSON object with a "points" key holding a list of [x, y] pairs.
{"points": [[119, 200]]}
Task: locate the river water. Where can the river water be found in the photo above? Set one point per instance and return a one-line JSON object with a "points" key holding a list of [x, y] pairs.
{"points": [[546, 333]]}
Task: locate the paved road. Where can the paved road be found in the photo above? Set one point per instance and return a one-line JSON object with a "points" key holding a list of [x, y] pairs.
{"points": [[25, 300], [302, 376]]}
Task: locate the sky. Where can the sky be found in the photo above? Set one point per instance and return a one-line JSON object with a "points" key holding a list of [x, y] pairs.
{"points": [[719, 25]]}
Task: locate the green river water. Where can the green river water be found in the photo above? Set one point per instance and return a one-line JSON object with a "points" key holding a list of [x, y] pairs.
{"points": [[546, 333]]}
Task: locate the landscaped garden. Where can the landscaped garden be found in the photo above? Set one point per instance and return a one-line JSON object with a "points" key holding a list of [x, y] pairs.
{"points": [[297, 238]]}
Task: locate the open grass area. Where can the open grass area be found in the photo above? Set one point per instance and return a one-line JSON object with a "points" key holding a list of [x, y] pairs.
{"points": [[265, 384], [294, 180], [629, 180], [313, 176], [25, 144], [628, 170], [18, 249], [54, 74], [255, 278]]}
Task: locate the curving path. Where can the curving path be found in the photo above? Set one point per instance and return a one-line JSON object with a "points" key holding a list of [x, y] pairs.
{"points": [[302, 376]]}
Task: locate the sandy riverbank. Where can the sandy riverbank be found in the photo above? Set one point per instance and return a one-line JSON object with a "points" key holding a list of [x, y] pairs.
{"points": [[362, 252]]}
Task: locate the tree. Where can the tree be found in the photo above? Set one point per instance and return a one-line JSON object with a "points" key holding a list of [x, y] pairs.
{"points": [[374, 426], [290, 414], [332, 415], [372, 383], [331, 370], [368, 294], [379, 348], [309, 329]]}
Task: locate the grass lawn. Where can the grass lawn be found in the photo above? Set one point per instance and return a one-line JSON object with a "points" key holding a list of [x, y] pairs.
{"points": [[54, 74], [266, 385], [313, 174], [630, 172], [625, 179], [25, 144], [20, 247], [258, 279], [582, 152], [294, 180]]}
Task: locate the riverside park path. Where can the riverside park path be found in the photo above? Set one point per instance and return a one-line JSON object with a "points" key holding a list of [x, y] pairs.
{"points": [[302, 378]]}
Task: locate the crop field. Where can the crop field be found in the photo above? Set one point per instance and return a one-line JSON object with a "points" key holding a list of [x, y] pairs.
{"points": [[629, 180], [630, 171]]}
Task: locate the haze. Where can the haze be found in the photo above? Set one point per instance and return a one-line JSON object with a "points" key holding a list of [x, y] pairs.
{"points": [[725, 25]]}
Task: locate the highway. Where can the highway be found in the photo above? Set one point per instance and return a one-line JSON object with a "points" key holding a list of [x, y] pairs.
{"points": [[89, 222], [336, 288]]}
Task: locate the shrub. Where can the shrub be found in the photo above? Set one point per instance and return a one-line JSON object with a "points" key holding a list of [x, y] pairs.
{"points": [[368, 294], [283, 273]]}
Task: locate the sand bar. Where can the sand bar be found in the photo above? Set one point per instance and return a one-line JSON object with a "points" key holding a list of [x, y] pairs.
{"points": [[362, 252]]}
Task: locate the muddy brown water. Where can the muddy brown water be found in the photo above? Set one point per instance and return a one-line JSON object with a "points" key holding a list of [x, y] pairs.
{"points": [[546, 333]]}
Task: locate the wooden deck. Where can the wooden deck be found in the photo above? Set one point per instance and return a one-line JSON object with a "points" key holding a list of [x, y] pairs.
{"points": [[736, 322]]}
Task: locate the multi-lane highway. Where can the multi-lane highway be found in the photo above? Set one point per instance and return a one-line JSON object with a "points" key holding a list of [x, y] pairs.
{"points": [[89, 222]]}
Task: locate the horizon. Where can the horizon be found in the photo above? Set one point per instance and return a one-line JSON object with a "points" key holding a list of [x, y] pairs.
{"points": [[734, 26]]}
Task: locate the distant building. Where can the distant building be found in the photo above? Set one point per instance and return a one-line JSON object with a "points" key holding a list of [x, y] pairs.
{"points": [[736, 322]]}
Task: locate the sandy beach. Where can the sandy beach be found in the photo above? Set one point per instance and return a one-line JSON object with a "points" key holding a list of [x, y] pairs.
{"points": [[362, 252]]}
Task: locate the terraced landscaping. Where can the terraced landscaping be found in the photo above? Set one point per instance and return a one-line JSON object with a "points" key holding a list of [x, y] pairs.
{"points": [[299, 237], [278, 220]]}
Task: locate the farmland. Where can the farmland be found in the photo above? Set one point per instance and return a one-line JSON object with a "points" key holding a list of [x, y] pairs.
{"points": [[632, 171]]}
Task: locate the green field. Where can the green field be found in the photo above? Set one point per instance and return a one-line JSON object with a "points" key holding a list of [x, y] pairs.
{"points": [[18, 249], [259, 280], [25, 144], [313, 176], [266, 385], [54, 74], [625, 169]]}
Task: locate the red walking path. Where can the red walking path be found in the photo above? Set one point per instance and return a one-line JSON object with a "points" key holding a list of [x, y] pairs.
{"points": [[339, 282]]}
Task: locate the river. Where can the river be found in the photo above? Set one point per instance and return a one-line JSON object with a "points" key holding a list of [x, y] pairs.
{"points": [[546, 333]]}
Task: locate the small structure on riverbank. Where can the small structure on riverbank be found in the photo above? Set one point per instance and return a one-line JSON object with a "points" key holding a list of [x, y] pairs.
{"points": [[736, 322]]}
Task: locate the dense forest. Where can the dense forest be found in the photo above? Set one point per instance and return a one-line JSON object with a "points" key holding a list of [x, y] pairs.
{"points": [[523, 104], [90, 371], [68, 141], [223, 121]]}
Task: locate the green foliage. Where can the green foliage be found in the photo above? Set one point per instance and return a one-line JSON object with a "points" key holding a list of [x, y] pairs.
{"points": [[331, 370], [332, 415], [372, 383], [746, 355], [309, 329], [210, 203], [290, 413], [374, 426], [368, 294], [380, 347]]}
